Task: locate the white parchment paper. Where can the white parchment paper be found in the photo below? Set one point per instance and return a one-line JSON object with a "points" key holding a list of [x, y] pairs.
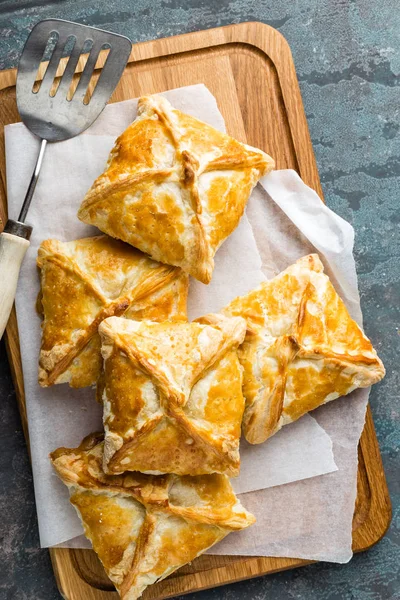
{"points": [[310, 518]]}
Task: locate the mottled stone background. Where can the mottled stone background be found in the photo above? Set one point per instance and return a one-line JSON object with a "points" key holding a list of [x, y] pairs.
{"points": [[347, 54]]}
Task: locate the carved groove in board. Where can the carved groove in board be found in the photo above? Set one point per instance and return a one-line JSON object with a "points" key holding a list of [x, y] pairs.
{"points": [[89, 575]]}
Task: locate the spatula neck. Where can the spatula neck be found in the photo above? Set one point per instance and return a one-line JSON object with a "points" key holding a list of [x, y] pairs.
{"points": [[32, 183]]}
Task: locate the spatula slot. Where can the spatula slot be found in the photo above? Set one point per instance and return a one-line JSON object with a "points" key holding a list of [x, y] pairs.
{"points": [[63, 64], [44, 61], [80, 65], [100, 63]]}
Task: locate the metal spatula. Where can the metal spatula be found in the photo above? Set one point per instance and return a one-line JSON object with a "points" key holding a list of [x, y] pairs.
{"points": [[56, 107]]}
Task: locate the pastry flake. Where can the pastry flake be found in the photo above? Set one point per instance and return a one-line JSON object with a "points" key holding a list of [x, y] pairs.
{"points": [[302, 348], [174, 187], [87, 280], [144, 527], [172, 398]]}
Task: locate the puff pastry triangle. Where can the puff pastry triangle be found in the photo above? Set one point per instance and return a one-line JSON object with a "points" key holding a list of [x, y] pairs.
{"points": [[87, 280], [174, 187], [144, 527], [172, 397], [302, 348]]}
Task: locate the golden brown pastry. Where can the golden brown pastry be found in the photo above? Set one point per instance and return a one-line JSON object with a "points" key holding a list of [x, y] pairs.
{"points": [[173, 399], [144, 527], [87, 280], [302, 348], [174, 187]]}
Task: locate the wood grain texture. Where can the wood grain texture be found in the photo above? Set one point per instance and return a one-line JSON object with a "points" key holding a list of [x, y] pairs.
{"points": [[249, 69]]}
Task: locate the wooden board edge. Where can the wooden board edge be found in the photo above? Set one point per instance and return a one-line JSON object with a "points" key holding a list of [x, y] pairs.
{"points": [[274, 45], [380, 504], [145, 50], [68, 579], [8, 78]]}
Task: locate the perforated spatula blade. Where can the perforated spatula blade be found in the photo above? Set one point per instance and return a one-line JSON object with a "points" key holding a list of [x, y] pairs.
{"points": [[56, 105], [46, 108]]}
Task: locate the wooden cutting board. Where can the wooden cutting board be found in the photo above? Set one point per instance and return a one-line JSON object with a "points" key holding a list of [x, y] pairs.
{"points": [[250, 71]]}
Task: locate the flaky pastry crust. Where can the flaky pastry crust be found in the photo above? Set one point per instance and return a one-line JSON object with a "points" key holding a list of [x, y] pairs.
{"points": [[144, 527], [302, 348], [174, 187], [172, 400], [87, 280]]}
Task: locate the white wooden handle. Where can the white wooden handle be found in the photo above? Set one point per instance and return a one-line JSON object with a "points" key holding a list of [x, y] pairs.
{"points": [[12, 251]]}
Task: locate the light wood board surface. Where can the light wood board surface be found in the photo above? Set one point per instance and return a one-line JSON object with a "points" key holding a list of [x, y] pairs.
{"points": [[249, 69]]}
